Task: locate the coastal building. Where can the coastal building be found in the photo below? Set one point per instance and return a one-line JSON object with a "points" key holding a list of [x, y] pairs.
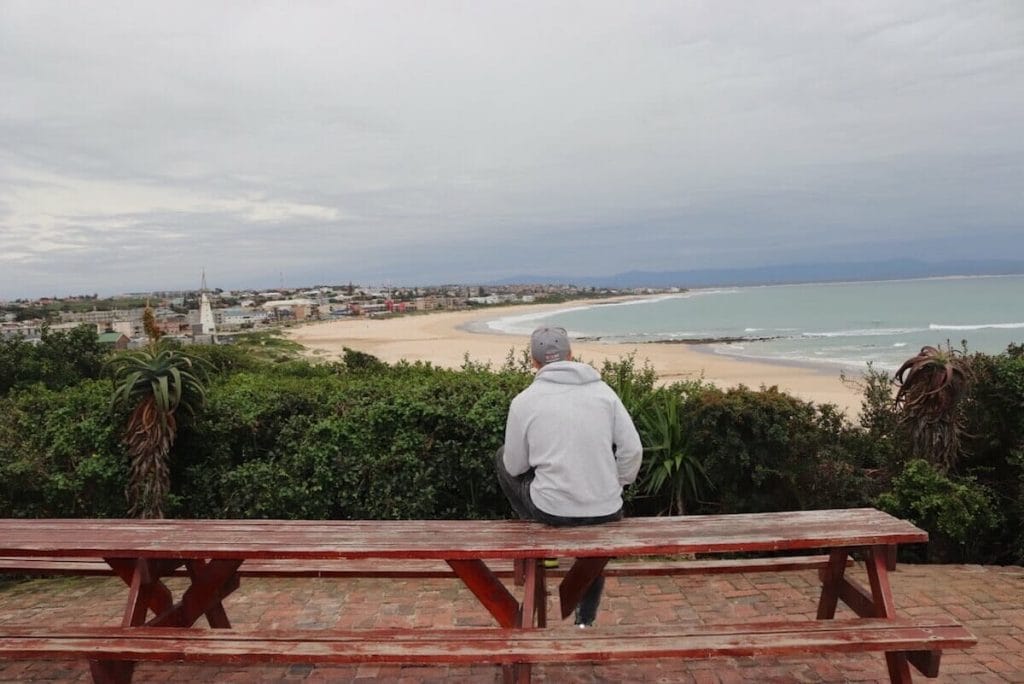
{"points": [[295, 309], [101, 318], [124, 327], [114, 340], [239, 317], [428, 303], [29, 331]]}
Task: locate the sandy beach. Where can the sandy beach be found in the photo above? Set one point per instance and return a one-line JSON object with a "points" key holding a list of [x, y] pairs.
{"points": [[441, 338]]}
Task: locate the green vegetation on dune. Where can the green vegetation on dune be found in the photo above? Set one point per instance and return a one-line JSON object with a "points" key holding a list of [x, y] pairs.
{"points": [[284, 437]]}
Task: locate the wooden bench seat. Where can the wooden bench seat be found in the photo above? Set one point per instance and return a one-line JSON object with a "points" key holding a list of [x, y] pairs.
{"points": [[424, 568], [482, 645]]}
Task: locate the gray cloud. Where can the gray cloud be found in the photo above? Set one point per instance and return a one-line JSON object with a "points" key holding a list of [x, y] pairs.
{"points": [[401, 142]]}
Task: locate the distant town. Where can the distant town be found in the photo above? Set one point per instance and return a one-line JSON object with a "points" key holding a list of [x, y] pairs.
{"points": [[216, 316]]}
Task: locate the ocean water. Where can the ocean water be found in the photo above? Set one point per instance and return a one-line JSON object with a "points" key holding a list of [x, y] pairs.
{"points": [[842, 325]]}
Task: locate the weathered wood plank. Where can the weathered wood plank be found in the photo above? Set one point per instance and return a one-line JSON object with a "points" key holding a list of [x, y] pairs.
{"points": [[399, 568], [487, 645], [443, 539]]}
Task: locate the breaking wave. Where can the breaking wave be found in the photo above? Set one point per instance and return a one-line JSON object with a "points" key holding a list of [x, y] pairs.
{"points": [[980, 326], [864, 332]]}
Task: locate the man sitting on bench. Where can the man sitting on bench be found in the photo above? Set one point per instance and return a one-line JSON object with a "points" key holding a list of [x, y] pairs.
{"points": [[570, 447]]}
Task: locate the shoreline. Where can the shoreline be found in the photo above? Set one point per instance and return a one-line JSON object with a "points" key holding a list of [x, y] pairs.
{"points": [[446, 339]]}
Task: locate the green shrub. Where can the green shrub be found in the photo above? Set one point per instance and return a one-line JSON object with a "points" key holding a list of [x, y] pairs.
{"points": [[887, 446], [224, 359], [959, 514], [59, 454], [762, 450], [404, 441], [633, 385], [356, 360], [60, 359], [994, 444]]}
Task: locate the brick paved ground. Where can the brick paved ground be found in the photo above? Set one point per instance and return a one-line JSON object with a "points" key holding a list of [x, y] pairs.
{"points": [[988, 600]]}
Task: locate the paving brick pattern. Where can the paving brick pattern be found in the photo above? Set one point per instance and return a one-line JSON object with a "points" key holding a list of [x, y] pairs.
{"points": [[988, 600]]}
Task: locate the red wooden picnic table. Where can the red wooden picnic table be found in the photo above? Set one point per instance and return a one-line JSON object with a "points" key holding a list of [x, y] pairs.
{"points": [[143, 552]]}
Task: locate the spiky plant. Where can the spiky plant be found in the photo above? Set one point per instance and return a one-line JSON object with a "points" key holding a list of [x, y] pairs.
{"points": [[670, 467], [152, 385], [931, 385]]}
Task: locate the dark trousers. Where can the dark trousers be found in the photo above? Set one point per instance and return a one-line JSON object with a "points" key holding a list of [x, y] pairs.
{"points": [[517, 491]]}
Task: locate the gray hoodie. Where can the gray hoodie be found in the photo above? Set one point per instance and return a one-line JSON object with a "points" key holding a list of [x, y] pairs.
{"points": [[564, 426]]}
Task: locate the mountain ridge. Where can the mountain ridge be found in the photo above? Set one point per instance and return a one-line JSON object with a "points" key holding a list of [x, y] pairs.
{"points": [[784, 274]]}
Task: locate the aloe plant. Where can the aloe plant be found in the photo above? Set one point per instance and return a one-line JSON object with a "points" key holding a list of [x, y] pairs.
{"points": [[931, 385], [153, 384]]}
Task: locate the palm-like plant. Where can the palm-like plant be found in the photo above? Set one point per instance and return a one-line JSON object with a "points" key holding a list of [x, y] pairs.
{"points": [[152, 384], [669, 462], [931, 385]]}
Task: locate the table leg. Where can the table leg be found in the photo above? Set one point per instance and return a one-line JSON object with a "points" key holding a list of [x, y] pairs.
{"points": [[533, 580], [542, 595], [876, 602], [831, 581], [884, 606], [519, 571], [157, 596], [216, 616], [499, 601], [140, 594], [533, 596], [211, 583]]}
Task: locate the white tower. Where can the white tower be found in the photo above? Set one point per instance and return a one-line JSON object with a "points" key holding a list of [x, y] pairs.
{"points": [[206, 323]]}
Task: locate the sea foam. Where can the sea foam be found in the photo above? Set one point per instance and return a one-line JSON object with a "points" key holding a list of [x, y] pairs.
{"points": [[980, 326]]}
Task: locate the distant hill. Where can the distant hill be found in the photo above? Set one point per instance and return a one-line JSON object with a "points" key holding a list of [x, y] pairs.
{"points": [[894, 269]]}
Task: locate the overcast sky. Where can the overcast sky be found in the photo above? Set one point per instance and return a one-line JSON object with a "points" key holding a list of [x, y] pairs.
{"points": [[427, 142]]}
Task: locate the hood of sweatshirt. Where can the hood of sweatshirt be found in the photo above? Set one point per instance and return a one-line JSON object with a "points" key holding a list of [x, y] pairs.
{"points": [[568, 373]]}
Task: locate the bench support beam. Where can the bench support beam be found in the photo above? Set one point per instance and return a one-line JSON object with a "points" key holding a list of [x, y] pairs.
{"points": [[488, 589], [576, 582], [112, 671], [832, 579], [212, 581]]}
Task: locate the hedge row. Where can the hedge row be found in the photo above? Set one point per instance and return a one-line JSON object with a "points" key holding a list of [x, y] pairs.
{"points": [[369, 440]]}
